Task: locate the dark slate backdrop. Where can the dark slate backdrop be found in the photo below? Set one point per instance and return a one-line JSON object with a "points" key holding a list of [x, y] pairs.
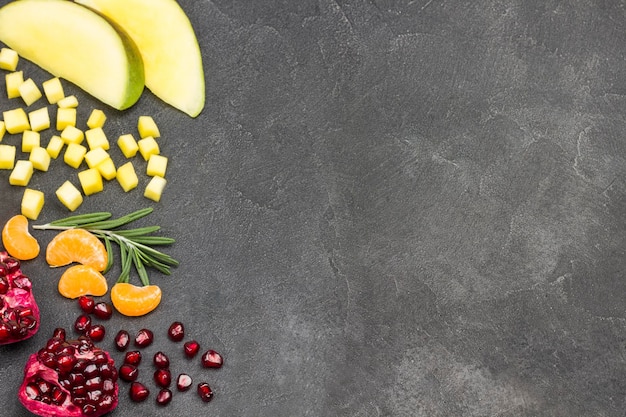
{"points": [[387, 208]]}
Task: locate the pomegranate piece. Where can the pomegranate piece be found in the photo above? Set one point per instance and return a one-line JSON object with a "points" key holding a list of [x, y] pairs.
{"points": [[138, 392], [163, 377], [72, 378], [103, 310], [86, 303], [176, 332], [144, 338], [82, 323], [128, 373], [205, 392], [161, 360], [96, 332], [133, 357], [164, 396], [122, 340], [19, 313], [191, 348], [212, 359], [183, 382]]}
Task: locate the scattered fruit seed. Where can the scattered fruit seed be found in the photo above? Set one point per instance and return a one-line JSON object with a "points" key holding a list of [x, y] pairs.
{"points": [[191, 348], [161, 360], [133, 357], [86, 303], [212, 359], [144, 338], [138, 392], [176, 332], [59, 332], [128, 373], [103, 310], [163, 377], [205, 392], [122, 340], [183, 382], [82, 323], [164, 397], [96, 332]]}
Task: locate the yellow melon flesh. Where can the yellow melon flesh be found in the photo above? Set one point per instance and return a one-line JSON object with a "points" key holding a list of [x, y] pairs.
{"points": [[72, 42], [168, 45]]}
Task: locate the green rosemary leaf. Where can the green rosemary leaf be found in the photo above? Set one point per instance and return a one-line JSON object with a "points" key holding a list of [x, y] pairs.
{"points": [[140, 231], [141, 269], [81, 219], [109, 249], [152, 240], [121, 221], [127, 261], [153, 263]]}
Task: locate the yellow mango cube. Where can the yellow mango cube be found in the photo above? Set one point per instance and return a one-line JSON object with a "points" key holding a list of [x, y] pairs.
{"points": [[3, 130], [66, 116], [30, 140], [69, 102], [69, 196], [96, 138], [95, 157], [147, 127], [157, 165], [154, 189], [7, 156], [127, 177], [72, 134], [74, 155], [22, 173], [13, 82], [8, 59], [29, 91], [16, 120], [148, 146], [40, 158], [107, 169], [55, 145], [53, 89], [128, 145], [91, 181], [96, 119], [32, 203], [39, 119]]}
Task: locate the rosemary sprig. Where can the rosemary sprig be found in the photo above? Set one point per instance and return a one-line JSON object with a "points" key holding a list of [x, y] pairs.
{"points": [[136, 245]]}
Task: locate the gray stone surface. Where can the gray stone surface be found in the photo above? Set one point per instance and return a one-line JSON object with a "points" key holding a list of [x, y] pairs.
{"points": [[387, 208]]}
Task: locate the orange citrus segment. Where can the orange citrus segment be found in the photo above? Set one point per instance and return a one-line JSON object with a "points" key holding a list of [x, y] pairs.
{"points": [[132, 300], [77, 245], [17, 240], [80, 280]]}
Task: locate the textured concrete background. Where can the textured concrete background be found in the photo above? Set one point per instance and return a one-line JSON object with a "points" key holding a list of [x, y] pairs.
{"points": [[387, 208]]}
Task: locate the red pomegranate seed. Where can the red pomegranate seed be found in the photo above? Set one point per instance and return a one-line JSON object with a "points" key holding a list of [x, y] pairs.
{"points": [[133, 357], [128, 373], [122, 340], [176, 332], [82, 323], [138, 392], [212, 359], [205, 392], [59, 332], [163, 377], [103, 310], [86, 303], [96, 332], [183, 382], [191, 348], [164, 397], [144, 338], [161, 360]]}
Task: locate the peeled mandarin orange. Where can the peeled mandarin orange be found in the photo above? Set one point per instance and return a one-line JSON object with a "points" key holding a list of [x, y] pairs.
{"points": [[77, 245], [17, 240], [80, 280], [132, 300]]}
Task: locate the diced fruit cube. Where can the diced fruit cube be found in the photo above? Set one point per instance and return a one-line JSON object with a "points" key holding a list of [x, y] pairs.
{"points": [[7, 156], [39, 119], [66, 116], [95, 157], [29, 91], [74, 154], [147, 127], [55, 146], [91, 181], [32, 203], [40, 158], [30, 140], [96, 138], [13, 82], [3, 130], [22, 173], [8, 59], [69, 196], [72, 134], [128, 145], [53, 89], [69, 102], [148, 146], [154, 189], [157, 165], [16, 120], [107, 169], [127, 177], [96, 119]]}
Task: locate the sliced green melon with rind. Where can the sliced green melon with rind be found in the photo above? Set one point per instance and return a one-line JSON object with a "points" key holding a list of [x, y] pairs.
{"points": [[168, 45], [72, 42]]}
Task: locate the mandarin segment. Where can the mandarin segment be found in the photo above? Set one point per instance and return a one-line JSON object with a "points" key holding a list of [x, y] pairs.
{"points": [[132, 300], [80, 280], [17, 240], [77, 245]]}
